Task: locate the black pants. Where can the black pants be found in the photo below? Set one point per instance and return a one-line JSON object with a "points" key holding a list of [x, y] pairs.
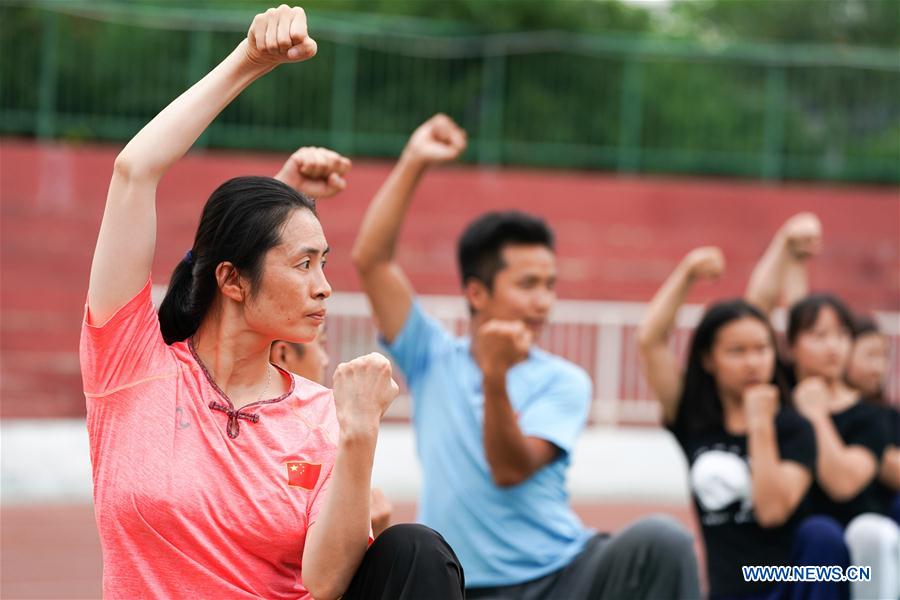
{"points": [[408, 562], [650, 559]]}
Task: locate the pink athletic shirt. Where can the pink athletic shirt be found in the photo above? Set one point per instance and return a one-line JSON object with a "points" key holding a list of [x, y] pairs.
{"points": [[193, 499]]}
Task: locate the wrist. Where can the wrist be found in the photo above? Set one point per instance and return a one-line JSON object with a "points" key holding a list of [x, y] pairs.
{"points": [[761, 424], [358, 435], [494, 379], [248, 64], [410, 159]]}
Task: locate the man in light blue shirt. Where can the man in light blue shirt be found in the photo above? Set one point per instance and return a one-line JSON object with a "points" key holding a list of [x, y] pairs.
{"points": [[495, 417]]}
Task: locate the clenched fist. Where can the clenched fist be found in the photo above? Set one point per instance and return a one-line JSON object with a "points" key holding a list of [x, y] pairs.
{"points": [[277, 36], [802, 235], [499, 345], [316, 172], [363, 390], [436, 140], [811, 397], [706, 262], [760, 404]]}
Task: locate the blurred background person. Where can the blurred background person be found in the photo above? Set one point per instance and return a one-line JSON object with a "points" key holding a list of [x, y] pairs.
{"points": [[752, 457], [852, 436], [866, 372]]}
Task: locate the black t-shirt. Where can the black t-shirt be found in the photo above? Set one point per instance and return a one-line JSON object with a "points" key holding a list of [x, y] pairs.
{"points": [[721, 488], [860, 425], [891, 416]]}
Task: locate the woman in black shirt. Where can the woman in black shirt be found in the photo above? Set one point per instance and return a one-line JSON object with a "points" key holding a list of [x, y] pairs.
{"points": [[851, 439], [752, 457]]}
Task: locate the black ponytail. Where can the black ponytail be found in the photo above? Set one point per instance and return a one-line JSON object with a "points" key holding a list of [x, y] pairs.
{"points": [[241, 221]]}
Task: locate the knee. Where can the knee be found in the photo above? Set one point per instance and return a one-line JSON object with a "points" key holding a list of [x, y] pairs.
{"points": [[820, 530], [871, 531], [666, 535], [409, 539]]}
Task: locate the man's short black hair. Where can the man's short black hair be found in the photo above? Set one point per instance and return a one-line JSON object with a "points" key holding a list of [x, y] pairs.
{"points": [[481, 244]]}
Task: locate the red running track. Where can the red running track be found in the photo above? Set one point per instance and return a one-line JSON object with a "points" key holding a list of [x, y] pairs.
{"points": [[53, 552]]}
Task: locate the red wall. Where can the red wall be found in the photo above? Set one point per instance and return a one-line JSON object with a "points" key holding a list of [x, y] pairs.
{"points": [[618, 238]]}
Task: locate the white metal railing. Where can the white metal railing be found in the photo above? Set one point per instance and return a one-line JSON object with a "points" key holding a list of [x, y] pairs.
{"points": [[597, 335]]}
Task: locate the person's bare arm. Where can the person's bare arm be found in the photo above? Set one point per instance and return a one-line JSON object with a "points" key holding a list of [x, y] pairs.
{"points": [[337, 541], [127, 240], [778, 485], [781, 274], [658, 362], [889, 474], [436, 141], [512, 456], [842, 470]]}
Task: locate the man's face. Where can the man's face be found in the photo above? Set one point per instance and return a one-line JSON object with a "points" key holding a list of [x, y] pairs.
{"points": [[311, 362], [524, 289]]}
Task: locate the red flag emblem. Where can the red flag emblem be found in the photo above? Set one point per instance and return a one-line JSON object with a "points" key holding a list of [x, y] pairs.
{"points": [[303, 475]]}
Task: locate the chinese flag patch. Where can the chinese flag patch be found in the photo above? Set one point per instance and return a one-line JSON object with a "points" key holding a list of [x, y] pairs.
{"points": [[303, 475]]}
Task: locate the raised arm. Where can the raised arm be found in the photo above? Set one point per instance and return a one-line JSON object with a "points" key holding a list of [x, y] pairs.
{"points": [[778, 485], [781, 273], [436, 141], [127, 240], [658, 362]]}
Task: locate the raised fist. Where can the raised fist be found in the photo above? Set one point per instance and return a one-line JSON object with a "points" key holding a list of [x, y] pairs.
{"points": [[278, 36], [811, 397], [436, 140], [706, 262], [761, 403], [363, 390], [316, 172], [501, 344], [802, 234]]}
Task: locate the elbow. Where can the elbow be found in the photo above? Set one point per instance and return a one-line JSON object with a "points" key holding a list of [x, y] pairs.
{"points": [[361, 262], [644, 340], [842, 493], [841, 490], [128, 169], [322, 590], [771, 515], [507, 478]]}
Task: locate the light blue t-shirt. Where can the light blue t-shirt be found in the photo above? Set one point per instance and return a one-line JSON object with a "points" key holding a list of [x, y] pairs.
{"points": [[502, 536]]}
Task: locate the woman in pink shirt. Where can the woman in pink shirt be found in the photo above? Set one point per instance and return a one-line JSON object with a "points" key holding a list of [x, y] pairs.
{"points": [[216, 474]]}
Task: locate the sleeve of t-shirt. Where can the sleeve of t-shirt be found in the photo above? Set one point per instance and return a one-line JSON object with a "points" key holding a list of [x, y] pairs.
{"points": [[796, 439], [414, 345], [869, 430], [125, 350], [560, 413]]}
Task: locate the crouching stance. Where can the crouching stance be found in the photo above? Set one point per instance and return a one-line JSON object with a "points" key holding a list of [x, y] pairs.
{"points": [[217, 474]]}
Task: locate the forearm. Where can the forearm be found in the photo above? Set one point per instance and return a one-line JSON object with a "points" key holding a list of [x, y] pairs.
{"points": [[173, 131], [380, 229], [769, 276], [657, 323], [771, 498], [506, 448], [338, 540], [796, 282], [842, 471]]}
